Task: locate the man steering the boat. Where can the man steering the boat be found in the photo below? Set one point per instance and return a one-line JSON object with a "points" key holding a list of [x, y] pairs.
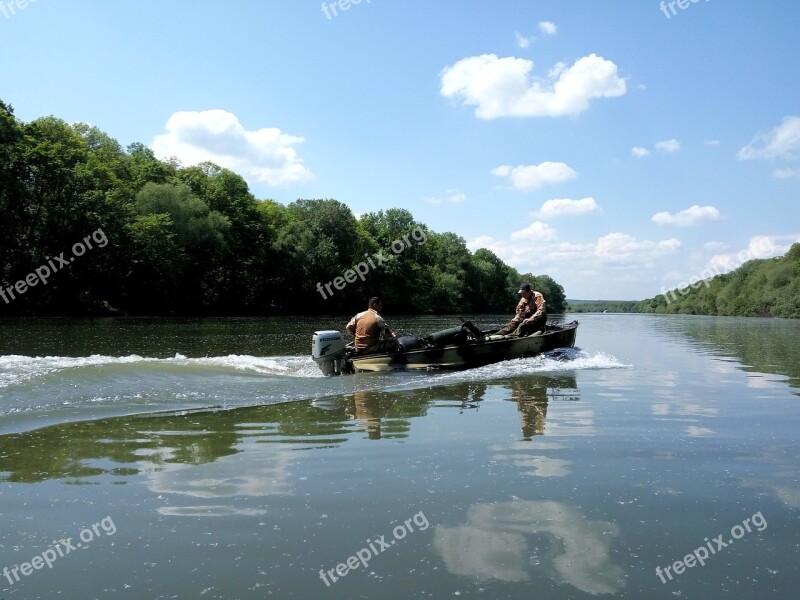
{"points": [[371, 331], [531, 313]]}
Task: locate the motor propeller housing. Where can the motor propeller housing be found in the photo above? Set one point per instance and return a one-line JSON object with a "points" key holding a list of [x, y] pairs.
{"points": [[328, 351]]}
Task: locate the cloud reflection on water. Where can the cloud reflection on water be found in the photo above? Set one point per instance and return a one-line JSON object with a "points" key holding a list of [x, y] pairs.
{"points": [[493, 544]]}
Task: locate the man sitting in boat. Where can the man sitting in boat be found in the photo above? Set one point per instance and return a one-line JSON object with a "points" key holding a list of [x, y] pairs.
{"points": [[371, 331], [531, 313]]}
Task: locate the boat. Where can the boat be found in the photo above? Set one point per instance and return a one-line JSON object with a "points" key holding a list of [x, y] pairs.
{"points": [[460, 347]]}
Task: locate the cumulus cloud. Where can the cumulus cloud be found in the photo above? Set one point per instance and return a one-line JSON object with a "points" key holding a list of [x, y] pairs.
{"points": [[264, 155], [453, 195], [782, 142], [760, 246], [522, 41], [503, 87], [715, 246], [640, 152], [532, 177], [786, 173], [537, 245], [547, 27], [668, 146], [694, 215], [621, 247], [535, 232], [557, 207]]}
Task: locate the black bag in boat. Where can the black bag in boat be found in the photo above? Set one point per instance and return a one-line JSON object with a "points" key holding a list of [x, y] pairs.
{"points": [[410, 342], [454, 335]]}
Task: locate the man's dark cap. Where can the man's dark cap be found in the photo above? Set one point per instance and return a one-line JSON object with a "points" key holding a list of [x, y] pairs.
{"points": [[524, 287]]}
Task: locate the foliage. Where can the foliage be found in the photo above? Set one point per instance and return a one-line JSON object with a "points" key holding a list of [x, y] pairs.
{"points": [[595, 306], [764, 288], [194, 240]]}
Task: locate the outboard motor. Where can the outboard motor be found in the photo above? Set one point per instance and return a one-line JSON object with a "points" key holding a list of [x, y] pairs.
{"points": [[328, 351]]}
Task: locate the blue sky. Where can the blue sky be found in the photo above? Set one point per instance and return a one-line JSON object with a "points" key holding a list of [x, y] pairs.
{"points": [[618, 146]]}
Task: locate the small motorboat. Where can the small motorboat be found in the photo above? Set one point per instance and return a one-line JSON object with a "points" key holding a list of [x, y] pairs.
{"points": [[460, 347]]}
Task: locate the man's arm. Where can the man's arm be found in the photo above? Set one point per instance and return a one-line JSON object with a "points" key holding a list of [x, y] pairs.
{"points": [[351, 327], [520, 310], [540, 308], [386, 331]]}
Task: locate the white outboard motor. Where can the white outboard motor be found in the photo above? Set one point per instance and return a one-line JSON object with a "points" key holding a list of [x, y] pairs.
{"points": [[328, 351]]}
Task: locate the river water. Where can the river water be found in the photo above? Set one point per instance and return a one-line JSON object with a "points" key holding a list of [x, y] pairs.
{"points": [[207, 458]]}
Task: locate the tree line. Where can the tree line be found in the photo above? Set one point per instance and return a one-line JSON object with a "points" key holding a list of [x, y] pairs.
{"points": [[194, 240], [759, 288], [594, 306]]}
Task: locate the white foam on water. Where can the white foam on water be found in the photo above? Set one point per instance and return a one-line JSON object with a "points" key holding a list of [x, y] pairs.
{"points": [[572, 359], [15, 369]]}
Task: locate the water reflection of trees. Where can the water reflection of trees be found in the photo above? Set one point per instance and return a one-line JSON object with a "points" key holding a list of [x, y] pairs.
{"points": [[124, 446], [121, 445], [762, 345], [84, 449]]}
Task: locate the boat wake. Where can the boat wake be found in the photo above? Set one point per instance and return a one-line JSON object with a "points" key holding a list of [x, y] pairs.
{"points": [[15, 369], [562, 360], [39, 391]]}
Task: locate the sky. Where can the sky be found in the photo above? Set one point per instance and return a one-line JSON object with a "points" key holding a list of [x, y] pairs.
{"points": [[623, 147]]}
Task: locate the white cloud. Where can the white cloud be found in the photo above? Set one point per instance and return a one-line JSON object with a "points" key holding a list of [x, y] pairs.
{"points": [[264, 155], [640, 152], [715, 246], [557, 207], [760, 246], [537, 245], [532, 177], [623, 248], [503, 87], [786, 173], [453, 195], [669, 146], [781, 142], [547, 27], [694, 215], [712, 142], [535, 232], [522, 41]]}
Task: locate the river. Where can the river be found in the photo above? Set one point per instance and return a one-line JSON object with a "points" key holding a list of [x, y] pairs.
{"points": [[208, 458]]}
